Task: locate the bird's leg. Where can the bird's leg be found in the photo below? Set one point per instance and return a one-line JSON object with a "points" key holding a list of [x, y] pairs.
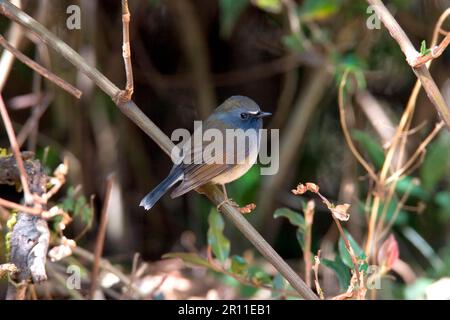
{"points": [[224, 189], [227, 200]]}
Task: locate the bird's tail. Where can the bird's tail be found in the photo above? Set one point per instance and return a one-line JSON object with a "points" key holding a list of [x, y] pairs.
{"points": [[153, 196]]}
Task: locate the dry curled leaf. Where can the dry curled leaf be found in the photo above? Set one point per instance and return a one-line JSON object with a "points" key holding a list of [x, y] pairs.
{"points": [[309, 212], [389, 253], [301, 189], [55, 211], [248, 208], [61, 170], [340, 211], [63, 250]]}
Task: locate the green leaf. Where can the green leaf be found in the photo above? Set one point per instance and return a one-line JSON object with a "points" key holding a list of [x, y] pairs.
{"points": [[423, 48], [230, 10], [273, 6], [220, 245], [238, 265], [318, 9], [342, 271], [371, 146], [80, 203], [68, 204], [436, 163], [345, 256], [294, 218], [415, 190], [189, 258]]}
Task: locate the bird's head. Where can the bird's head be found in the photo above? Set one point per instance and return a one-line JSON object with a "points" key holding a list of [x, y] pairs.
{"points": [[240, 111]]}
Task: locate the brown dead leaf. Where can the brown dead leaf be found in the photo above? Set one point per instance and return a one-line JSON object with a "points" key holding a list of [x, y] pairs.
{"points": [[340, 211]]}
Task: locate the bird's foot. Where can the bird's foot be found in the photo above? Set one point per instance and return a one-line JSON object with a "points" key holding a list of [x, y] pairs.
{"points": [[229, 201]]}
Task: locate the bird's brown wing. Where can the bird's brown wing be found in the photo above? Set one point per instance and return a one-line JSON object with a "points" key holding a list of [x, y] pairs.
{"points": [[198, 175], [203, 168]]}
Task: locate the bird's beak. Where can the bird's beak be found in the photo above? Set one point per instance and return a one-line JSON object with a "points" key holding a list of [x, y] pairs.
{"points": [[263, 114]]}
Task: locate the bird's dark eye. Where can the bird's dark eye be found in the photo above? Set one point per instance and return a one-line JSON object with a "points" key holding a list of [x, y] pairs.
{"points": [[244, 116]]}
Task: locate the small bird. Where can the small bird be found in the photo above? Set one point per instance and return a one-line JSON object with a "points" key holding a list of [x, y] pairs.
{"points": [[237, 112]]}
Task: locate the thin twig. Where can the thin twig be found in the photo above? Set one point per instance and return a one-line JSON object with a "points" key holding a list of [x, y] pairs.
{"points": [[101, 238], [16, 151], [40, 69], [218, 268]]}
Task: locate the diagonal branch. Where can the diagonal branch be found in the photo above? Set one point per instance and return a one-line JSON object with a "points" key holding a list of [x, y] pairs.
{"points": [[131, 110], [422, 72], [40, 69]]}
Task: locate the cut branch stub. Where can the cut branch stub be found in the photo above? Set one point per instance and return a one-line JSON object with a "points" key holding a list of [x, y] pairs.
{"points": [[30, 235]]}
